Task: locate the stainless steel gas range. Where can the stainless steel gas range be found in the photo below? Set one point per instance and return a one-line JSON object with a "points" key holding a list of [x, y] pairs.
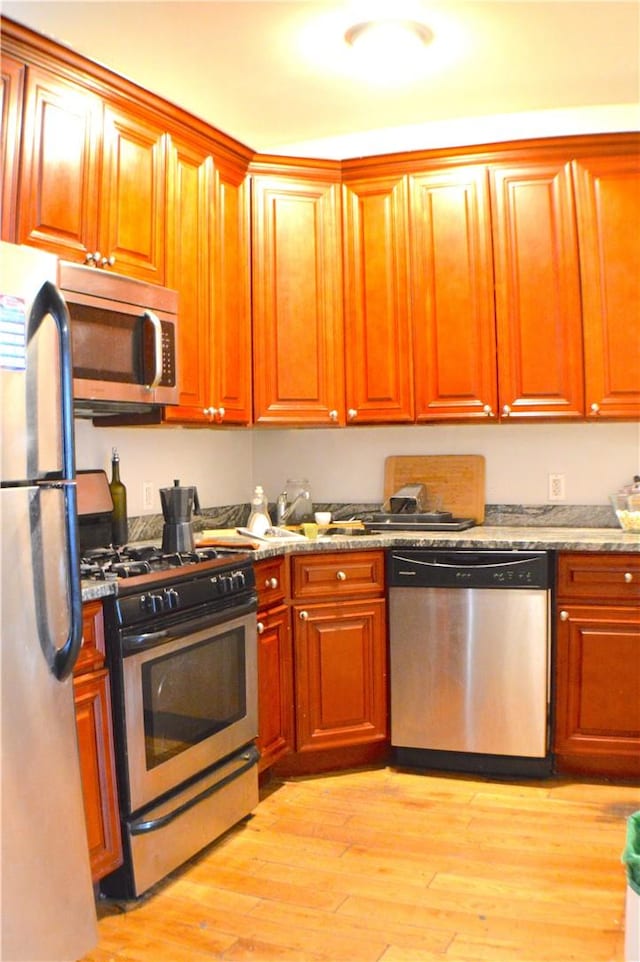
{"points": [[181, 648]]}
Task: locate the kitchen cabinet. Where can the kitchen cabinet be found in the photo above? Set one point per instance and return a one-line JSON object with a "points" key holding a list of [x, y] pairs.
{"points": [[452, 294], [339, 635], [608, 208], [95, 743], [275, 663], [597, 698], [13, 76], [298, 338], [537, 289], [378, 345], [208, 264], [92, 178]]}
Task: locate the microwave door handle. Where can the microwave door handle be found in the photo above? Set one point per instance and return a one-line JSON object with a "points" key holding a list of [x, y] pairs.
{"points": [[157, 348]]}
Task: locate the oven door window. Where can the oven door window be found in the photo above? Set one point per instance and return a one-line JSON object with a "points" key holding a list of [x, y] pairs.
{"points": [[191, 694]]}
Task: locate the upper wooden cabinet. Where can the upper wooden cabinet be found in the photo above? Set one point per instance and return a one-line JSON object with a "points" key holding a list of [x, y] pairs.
{"points": [[378, 347], [298, 338], [11, 93], [608, 205], [208, 264], [537, 290], [92, 178], [452, 294]]}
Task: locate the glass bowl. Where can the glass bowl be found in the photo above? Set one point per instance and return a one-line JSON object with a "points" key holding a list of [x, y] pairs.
{"points": [[627, 509]]}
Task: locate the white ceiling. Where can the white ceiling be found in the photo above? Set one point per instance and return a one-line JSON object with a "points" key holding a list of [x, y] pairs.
{"points": [[278, 76]]}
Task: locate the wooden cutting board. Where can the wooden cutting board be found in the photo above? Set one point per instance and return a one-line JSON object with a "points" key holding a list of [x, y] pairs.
{"points": [[454, 482]]}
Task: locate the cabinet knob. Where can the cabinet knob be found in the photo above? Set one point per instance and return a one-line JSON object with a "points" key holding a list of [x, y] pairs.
{"points": [[108, 261], [488, 410], [220, 413], [564, 616], [304, 616], [628, 577], [595, 408], [260, 628], [208, 412], [271, 583], [92, 257], [506, 410], [341, 576], [352, 414], [333, 415]]}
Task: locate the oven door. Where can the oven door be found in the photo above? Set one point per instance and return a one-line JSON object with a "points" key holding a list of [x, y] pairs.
{"points": [[190, 699]]}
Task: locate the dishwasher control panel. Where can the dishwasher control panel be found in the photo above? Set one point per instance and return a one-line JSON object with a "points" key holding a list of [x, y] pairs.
{"points": [[426, 568]]}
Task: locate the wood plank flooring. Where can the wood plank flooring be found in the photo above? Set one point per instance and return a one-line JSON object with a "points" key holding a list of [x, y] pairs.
{"points": [[384, 865]]}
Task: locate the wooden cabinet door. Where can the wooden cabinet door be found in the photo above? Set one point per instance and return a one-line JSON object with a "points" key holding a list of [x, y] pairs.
{"points": [[452, 295], [298, 361], [275, 686], [11, 98], [597, 726], [60, 166], [340, 674], [231, 346], [378, 349], [189, 271], [97, 770], [134, 194], [608, 204], [537, 280]]}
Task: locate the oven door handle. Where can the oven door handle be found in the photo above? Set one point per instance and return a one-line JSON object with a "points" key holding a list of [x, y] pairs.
{"points": [[132, 643], [142, 825]]}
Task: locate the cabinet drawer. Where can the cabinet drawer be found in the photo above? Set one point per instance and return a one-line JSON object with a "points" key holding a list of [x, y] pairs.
{"points": [[336, 575], [91, 655], [271, 581], [596, 577]]}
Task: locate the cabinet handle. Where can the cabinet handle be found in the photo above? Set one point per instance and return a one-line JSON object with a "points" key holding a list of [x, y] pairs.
{"points": [[271, 583], [304, 616], [564, 616], [333, 415], [260, 628], [488, 410], [352, 414], [628, 577], [341, 576], [506, 410], [108, 261], [595, 408]]}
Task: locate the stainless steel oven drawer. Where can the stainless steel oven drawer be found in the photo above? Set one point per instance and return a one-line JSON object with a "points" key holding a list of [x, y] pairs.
{"points": [[173, 831]]}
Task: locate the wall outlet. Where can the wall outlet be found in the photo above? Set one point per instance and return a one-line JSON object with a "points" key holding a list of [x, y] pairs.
{"points": [[147, 495], [556, 487]]}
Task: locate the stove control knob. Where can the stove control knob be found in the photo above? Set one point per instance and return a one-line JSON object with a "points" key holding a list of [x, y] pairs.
{"points": [[239, 580], [152, 603], [171, 598]]}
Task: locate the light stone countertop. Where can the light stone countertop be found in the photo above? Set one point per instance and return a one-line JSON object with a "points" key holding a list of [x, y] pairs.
{"points": [[483, 537]]}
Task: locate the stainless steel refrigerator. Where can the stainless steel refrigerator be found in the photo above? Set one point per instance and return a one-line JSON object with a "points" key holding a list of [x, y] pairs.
{"points": [[47, 909]]}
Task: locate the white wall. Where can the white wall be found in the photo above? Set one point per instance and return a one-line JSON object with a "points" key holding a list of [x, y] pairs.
{"points": [[348, 464]]}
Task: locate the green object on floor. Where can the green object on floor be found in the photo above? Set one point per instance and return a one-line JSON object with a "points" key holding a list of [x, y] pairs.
{"points": [[631, 853]]}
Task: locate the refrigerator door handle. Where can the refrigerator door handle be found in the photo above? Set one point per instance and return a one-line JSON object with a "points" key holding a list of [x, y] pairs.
{"points": [[49, 301]]}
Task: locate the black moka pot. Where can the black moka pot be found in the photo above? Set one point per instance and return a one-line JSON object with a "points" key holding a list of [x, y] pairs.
{"points": [[177, 505]]}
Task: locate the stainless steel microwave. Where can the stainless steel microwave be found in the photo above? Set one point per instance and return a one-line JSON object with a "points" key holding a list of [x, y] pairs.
{"points": [[123, 339]]}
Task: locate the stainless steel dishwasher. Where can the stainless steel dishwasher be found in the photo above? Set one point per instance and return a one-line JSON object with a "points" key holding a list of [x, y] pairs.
{"points": [[470, 659]]}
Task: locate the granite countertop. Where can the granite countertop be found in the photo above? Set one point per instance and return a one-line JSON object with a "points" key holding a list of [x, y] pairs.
{"points": [[499, 537]]}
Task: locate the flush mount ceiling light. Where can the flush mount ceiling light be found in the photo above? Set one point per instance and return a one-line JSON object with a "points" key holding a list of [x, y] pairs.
{"points": [[390, 45]]}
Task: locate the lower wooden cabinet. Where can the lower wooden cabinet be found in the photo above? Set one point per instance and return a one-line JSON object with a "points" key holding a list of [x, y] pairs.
{"points": [[275, 663], [95, 743], [340, 680], [597, 720]]}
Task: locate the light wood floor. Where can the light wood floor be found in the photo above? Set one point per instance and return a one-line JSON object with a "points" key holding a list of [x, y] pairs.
{"points": [[382, 865]]}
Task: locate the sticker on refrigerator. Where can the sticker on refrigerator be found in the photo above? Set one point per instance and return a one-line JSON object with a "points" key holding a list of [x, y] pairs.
{"points": [[13, 333]]}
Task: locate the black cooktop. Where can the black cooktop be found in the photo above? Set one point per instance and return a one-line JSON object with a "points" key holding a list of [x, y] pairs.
{"points": [[136, 561]]}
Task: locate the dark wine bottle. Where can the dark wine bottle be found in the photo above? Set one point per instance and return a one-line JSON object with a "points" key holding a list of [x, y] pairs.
{"points": [[119, 524]]}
